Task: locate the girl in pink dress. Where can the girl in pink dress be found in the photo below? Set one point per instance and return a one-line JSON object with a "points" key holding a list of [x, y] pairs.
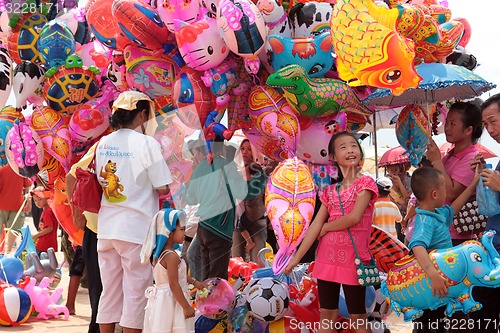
{"points": [[335, 254]]}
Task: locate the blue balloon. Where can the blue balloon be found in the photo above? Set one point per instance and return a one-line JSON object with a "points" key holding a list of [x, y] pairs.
{"points": [[55, 44], [11, 269]]}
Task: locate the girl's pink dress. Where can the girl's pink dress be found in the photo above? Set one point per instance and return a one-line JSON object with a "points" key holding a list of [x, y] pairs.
{"points": [[335, 254]]}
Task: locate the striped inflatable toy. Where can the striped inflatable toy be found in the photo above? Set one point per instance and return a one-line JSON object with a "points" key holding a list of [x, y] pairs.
{"points": [[15, 306]]}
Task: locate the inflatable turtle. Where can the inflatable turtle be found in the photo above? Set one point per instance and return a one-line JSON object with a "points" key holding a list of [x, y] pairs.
{"points": [[23, 38], [68, 86]]}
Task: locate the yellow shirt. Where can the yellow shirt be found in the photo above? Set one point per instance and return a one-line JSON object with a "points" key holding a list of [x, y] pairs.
{"points": [[84, 164]]}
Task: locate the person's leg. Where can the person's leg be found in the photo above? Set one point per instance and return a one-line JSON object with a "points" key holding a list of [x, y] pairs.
{"points": [[111, 301], [137, 277], [94, 277], [485, 320], [238, 247], [14, 225], [194, 259], [75, 274], [67, 248], [258, 231], [216, 253], [204, 252], [355, 300], [328, 305]]}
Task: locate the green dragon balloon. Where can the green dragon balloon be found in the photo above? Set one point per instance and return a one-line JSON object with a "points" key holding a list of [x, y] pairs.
{"points": [[316, 97]]}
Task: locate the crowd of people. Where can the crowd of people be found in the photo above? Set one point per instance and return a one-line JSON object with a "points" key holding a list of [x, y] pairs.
{"points": [[224, 216]]}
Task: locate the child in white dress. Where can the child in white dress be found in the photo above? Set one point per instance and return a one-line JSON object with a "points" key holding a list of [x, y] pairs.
{"points": [[168, 309]]}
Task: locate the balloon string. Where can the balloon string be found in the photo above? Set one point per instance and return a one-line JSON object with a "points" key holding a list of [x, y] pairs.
{"points": [[3, 272]]}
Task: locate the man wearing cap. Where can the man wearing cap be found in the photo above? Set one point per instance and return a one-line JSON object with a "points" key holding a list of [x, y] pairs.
{"points": [[386, 214]]}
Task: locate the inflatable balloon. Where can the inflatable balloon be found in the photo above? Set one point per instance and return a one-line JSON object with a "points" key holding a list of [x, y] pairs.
{"points": [[237, 107], [464, 40], [268, 146], [369, 50], [40, 267], [316, 97], [267, 299], [275, 17], [141, 24], [55, 43], [386, 249], [45, 301], [105, 28], [290, 200], [24, 150], [54, 132], [239, 268], [91, 119], [11, 269], [151, 74], [272, 116], [243, 29], [313, 53], [68, 86], [8, 116], [412, 131], [26, 83], [62, 211], [204, 324], [192, 98], [313, 143], [184, 10], [305, 300], [285, 324], [433, 40], [116, 71], [15, 306], [200, 44], [5, 76], [216, 301], [23, 37], [465, 266], [50, 171], [95, 54], [76, 22], [310, 18], [241, 320]]}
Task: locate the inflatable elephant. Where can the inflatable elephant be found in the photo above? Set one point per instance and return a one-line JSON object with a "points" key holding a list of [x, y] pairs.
{"points": [[470, 264]]}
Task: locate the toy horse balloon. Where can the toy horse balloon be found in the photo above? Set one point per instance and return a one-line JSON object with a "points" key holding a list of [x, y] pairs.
{"points": [[290, 199]]}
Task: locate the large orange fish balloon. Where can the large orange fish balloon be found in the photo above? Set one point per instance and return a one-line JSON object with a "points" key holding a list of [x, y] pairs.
{"points": [[369, 49], [290, 200]]}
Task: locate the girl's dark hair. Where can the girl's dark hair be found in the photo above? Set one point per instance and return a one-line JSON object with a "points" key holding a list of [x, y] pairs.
{"points": [[471, 116], [331, 149], [122, 117]]}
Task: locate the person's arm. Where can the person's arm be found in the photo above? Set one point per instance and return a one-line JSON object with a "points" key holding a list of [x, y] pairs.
{"points": [[453, 187], [248, 239], [410, 213], [311, 235], [45, 231], [351, 218], [460, 201], [491, 179], [164, 190], [171, 263], [439, 284]]}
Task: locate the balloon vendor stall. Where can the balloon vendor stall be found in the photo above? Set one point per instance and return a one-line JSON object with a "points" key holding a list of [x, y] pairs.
{"points": [[288, 75]]}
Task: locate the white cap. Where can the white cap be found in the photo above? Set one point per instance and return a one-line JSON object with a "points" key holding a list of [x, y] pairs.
{"points": [[385, 183]]}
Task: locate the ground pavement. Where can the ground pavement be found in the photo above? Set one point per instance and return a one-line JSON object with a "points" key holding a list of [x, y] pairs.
{"points": [[79, 322]]}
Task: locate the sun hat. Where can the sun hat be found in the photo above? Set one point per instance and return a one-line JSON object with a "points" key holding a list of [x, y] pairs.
{"points": [[127, 100]]}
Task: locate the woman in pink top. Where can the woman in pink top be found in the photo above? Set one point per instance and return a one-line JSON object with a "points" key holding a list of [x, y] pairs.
{"points": [[463, 128], [335, 255]]}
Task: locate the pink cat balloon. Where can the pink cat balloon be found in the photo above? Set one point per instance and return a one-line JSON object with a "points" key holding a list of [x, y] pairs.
{"points": [[200, 44], [44, 300], [184, 10], [290, 200]]}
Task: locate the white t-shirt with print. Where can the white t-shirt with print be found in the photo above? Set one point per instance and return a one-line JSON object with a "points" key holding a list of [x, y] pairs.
{"points": [[133, 165]]}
